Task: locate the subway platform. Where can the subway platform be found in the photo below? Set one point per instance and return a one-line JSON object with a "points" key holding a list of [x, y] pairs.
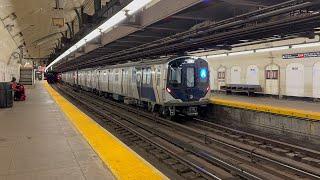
{"points": [[293, 108], [46, 137], [294, 121]]}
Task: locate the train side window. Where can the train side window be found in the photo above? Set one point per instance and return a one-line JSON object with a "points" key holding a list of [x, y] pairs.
{"points": [[134, 75], [116, 76], [158, 75], [138, 76], [148, 76], [144, 76]]}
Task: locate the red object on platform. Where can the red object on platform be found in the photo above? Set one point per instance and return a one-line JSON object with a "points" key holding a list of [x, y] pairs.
{"points": [[19, 94]]}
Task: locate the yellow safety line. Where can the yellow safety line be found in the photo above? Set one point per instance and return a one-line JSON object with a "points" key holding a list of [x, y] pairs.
{"points": [[269, 109], [120, 159]]}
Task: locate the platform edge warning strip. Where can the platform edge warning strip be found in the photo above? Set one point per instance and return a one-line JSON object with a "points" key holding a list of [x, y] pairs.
{"points": [[120, 159], [268, 109]]}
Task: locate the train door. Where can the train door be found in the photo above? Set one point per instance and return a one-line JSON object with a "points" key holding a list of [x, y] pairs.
{"points": [[235, 75], [109, 75], [316, 80], [158, 81], [133, 84], [221, 77], [139, 81], [98, 80], [122, 83], [105, 80], [119, 81], [101, 80], [147, 91], [295, 80], [116, 80], [272, 79], [252, 75], [75, 77], [144, 83]]}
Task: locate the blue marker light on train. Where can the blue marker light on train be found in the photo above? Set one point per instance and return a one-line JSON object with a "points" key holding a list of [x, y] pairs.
{"points": [[203, 73]]}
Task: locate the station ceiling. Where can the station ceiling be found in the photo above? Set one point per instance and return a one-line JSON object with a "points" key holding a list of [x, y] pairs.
{"points": [[34, 19], [201, 14]]}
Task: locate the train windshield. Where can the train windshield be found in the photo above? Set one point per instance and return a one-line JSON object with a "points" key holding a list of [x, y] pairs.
{"points": [[190, 77], [175, 75], [188, 73]]}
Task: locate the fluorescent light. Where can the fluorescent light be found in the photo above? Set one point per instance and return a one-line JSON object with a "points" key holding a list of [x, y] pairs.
{"points": [[273, 49], [131, 8], [306, 45], [114, 20], [216, 55], [241, 53]]}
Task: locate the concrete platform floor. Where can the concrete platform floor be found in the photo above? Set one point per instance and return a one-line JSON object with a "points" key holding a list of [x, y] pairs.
{"points": [[37, 142], [268, 101]]}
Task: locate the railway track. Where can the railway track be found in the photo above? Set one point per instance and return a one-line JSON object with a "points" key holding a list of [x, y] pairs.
{"points": [[197, 149]]}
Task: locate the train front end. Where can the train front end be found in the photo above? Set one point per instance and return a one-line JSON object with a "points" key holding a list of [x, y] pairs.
{"points": [[188, 86]]}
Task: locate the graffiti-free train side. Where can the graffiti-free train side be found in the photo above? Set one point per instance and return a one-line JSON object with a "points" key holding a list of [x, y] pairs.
{"points": [[169, 86]]}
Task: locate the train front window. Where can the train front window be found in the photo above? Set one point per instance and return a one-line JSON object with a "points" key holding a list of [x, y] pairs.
{"points": [[190, 77], [175, 75]]}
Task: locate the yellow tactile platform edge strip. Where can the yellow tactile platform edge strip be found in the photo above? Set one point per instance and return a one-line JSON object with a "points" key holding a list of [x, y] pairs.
{"points": [[120, 159], [269, 109]]}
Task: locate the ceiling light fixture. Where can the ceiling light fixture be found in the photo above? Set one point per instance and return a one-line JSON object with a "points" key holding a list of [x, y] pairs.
{"points": [[306, 45], [273, 49], [216, 55], [241, 53], [130, 9]]}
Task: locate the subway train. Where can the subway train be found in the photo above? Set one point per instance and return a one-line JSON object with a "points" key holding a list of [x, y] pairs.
{"points": [[169, 86]]}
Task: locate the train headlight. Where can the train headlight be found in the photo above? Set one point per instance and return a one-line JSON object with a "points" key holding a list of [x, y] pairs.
{"points": [[203, 73]]}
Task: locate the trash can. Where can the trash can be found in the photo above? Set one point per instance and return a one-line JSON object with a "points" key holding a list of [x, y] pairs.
{"points": [[6, 95]]}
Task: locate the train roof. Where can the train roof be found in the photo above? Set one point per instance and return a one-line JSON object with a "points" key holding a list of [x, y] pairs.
{"points": [[145, 62]]}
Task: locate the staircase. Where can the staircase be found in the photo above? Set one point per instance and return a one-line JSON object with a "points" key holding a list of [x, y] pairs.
{"points": [[26, 76]]}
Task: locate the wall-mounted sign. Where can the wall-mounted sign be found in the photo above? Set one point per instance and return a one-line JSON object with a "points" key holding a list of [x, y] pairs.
{"points": [[58, 22], [301, 55]]}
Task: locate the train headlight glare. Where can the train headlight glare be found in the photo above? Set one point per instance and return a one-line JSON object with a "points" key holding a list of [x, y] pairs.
{"points": [[203, 73]]}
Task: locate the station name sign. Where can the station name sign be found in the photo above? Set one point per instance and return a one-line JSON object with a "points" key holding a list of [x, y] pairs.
{"points": [[301, 55]]}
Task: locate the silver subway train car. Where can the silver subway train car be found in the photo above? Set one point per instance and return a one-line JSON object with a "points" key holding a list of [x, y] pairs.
{"points": [[168, 85]]}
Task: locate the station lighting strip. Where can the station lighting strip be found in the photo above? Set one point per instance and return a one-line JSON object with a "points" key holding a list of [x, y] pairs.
{"points": [[129, 10], [296, 46]]}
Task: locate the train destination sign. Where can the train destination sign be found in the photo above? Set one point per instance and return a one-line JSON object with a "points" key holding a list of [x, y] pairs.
{"points": [[301, 55]]}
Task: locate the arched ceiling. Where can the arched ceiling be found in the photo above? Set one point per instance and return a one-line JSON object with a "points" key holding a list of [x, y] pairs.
{"points": [[35, 21], [7, 44], [33, 18]]}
